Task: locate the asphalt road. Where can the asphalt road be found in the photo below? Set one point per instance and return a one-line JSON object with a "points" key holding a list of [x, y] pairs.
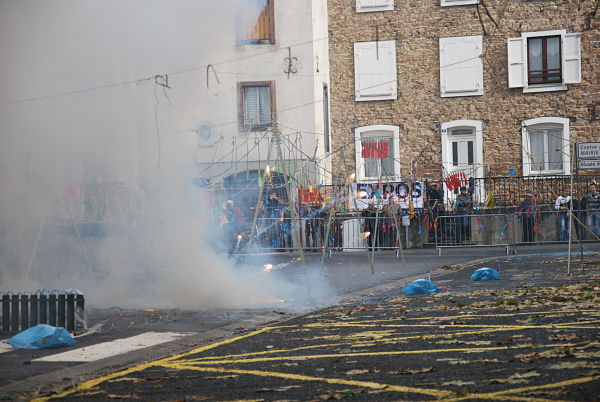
{"points": [[349, 276], [533, 335]]}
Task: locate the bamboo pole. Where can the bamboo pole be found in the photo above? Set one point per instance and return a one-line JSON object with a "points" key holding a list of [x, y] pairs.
{"points": [[291, 194], [570, 213], [374, 242], [258, 203]]}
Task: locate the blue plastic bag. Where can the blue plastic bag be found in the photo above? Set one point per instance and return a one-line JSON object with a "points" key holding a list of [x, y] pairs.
{"points": [[419, 287], [485, 274], [41, 336]]}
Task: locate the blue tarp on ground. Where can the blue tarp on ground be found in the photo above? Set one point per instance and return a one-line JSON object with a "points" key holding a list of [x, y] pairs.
{"points": [[41, 336], [485, 274], [419, 287]]}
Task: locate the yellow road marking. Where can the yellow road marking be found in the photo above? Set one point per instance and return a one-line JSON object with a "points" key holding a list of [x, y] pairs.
{"points": [[326, 345], [486, 315], [390, 353], [363, 384], [92, 383], [544, 326], [504, 395]]}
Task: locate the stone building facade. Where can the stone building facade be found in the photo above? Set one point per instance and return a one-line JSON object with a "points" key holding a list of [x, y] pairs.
{"points": [[488, 88]]}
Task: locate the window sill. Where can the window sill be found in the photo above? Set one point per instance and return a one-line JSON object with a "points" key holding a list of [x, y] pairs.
{"points": [[545, 88], [450, 3], [450, 94], [258, 127], [255, 43], [359, 98], [373, 9], [545, 174]]}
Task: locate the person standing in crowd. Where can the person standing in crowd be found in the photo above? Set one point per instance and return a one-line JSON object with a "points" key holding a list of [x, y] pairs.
{"points": [[435, 205], [286, 227], [310, 226], [577, 216], [562, 205], [463, 205], [391, 215], [228, 224], [591, 204], [274, 214], [526, 212], [368, 215]]}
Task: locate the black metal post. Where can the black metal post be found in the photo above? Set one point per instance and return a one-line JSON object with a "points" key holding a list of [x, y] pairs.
{"points": [[34, 306], [71, 312], [5, 313], [24, 312], [52, 310], [14, 318], [43, 309], [60, 322]]}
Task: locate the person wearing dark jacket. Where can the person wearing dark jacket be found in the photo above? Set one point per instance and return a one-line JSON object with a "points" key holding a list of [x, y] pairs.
{"points": [[435, 205], [591, 204], [463, 205], [369, 216], [526, 213]]}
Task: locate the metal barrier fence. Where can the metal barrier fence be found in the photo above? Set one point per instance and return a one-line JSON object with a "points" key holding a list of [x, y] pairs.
{"points": [[549, 226], [508, 191], [356, 233], [22, 311], [505, 230], [464, 230], [346, 233]]}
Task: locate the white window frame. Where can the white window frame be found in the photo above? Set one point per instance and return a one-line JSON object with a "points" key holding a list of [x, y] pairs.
{"points": [[478, 64], [392, 132], [520, 45], [392, 82], [478, 168], [447, 3], [362, 7], [566, 148]]}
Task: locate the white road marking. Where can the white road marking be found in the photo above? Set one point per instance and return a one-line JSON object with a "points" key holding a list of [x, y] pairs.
{"points": [[5, 347], [108, 349]]}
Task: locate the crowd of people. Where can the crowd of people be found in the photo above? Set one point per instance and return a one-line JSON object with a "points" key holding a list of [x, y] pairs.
{"points": [[584, 211], [381, 222]]}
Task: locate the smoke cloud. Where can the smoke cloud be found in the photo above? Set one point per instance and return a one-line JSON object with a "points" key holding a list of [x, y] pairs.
{"points": [[97, 178]]}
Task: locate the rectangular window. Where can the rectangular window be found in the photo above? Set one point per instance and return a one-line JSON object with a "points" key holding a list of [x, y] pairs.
{"points": [[378, 152], [253, 30], [257, 105], [545, 148], [470, 152], [454, 153], [544, 60]]}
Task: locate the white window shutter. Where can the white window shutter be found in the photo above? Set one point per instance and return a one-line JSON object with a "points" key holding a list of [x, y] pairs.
{"points": [[461, 66], [375, 70], [571, 59], [517, 62], [364, 6]]}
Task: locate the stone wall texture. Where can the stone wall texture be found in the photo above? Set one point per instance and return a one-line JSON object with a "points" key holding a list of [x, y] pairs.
{"points": [[417, 25]]}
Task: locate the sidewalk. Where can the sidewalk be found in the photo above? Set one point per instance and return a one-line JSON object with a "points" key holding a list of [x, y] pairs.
{"points": [[532, 335]]}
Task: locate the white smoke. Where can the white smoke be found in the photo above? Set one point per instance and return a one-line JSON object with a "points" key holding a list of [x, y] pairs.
{"points": [[65, 125]]}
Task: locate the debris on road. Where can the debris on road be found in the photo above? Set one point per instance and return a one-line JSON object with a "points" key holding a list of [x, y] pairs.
{"points": [[41, 336]]}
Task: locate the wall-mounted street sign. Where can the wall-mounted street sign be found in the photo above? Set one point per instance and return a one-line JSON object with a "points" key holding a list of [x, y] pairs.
{"points": [[589, 164], [588, 155]]}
